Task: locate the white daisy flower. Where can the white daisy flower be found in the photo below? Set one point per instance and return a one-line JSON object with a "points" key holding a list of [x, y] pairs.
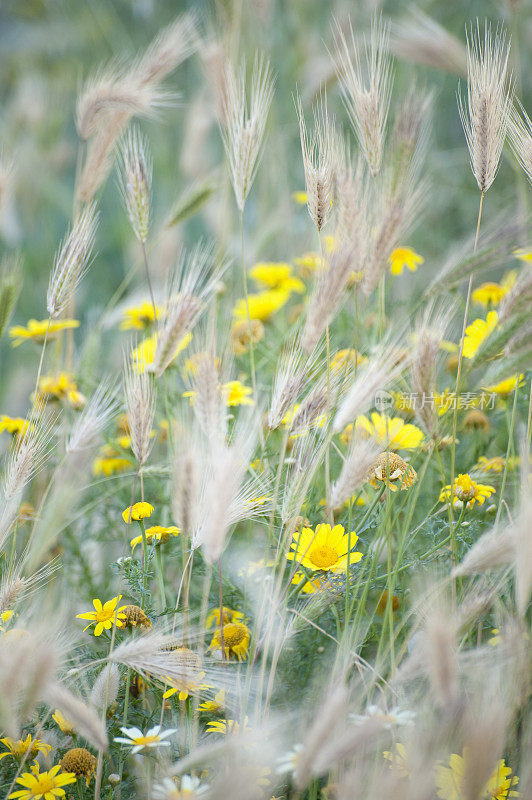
{"points": [[139, 741], [395, 717], [189, 788]]}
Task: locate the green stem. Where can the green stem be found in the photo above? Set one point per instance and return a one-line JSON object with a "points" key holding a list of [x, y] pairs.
{"points": [[510, 441]]}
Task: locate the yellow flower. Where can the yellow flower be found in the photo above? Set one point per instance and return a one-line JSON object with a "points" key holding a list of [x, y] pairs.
{"points": [[47, 785], [450, 780], [262, 305], [398, 759], [236, 640], [506, 386], [324, 549], [237, 394], [523, 255], [139, 317], [301, 198], [466, 490], [479, 330], [37, 330], [308, 263], [494, 464], [135, 616], [228, 615], [392, 432], [157, 534], [13, 425], [318, 583], [489, 294], [137, 512], [240, 334], [213, 706], [20, 747], [61, 387], [348, 357], [276, 275], [105, 616], [143, 356], [110, 465], [227, 726], [404, 257], [186, 686], [5, 616], [64, 724]]}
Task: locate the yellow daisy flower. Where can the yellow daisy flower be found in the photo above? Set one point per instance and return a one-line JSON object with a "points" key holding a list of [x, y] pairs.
{"points": [[276, 275], [466, 490], [237, 394], [398, 758], [227, 726], [479, 330], [143, 356], [61, 387], [236, 640], [157, 534], [301, 198], [348, 357], [308, 263], [489, 294], [5, 616], [229, 615], [450, 780], [64, 724], [140, 316], [14, 425], [137, 512], [324, 548], [505, 387], [262, 305], [391, 469], [240, 334], [216, 705], [47, 785], [404, 257], [187, 686], [494, 464], [523, 255], [37, 330], [105, 616], [392, 432], [18, 748]]}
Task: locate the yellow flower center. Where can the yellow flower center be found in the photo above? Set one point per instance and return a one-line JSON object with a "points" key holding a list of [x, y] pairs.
{"points": [[234, 634], [44, 784], [144, 740], [323, 556]]}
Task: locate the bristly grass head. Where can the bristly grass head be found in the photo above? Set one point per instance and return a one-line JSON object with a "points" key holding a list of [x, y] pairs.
{"points": [[489, 100], [366, 80], [317, 149], [243, 123], [135, 178], [520, 133]]}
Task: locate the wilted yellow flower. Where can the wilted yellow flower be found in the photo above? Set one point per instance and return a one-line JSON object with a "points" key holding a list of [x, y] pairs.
{"points": [[262, 305], [140, 316], [79, 761], [324, 549], [137, 512], [37, 330], [135, 617], [276, 275], [105, 616], [404, 257], [450, 780], [47, 785], [479, 330], [13, 425], [391, 469], [392, 432], [467, 491], [240, 334], [157, 534], [506, 386], [236, 640]]}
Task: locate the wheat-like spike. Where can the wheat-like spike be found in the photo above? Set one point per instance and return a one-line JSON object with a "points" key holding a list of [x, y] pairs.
{"points": [[293, 372], [366, 89], [135, 179], [97, 413], [83, 717], [520, 134], [358, 460], [243, 124], [10, 286], [317, 149], [71, 262], [423, 41], [489, 100], [140, 397]]}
